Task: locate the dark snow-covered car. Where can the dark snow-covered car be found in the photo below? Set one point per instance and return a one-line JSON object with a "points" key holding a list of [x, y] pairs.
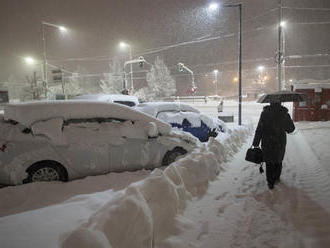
{"points": [[184, 117], [64, 140]]}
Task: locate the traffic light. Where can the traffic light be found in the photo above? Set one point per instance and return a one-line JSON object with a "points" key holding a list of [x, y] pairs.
{"points": [[125, 92], [141, 61], [193, 90], [57, 75], [181, 67]]}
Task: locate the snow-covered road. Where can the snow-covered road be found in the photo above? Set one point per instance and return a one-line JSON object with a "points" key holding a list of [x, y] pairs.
{"points": [[239, 211]]}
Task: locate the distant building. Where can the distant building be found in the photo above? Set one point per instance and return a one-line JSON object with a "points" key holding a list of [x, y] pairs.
{"points": [[4, 96], [317, 104]]}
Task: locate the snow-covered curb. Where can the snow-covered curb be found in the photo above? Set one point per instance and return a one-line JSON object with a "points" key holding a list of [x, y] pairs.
{"points": [[142, 214]]}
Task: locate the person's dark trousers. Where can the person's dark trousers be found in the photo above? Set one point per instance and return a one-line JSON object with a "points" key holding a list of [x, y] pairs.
{"points": [[278, 171], [273, 172]]}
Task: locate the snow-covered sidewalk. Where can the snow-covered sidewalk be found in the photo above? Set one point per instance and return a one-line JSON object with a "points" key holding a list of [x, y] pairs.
{"points": [[238, 210]]}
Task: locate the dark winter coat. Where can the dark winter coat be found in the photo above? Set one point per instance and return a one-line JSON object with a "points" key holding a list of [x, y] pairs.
{"points": [[273, 125]]}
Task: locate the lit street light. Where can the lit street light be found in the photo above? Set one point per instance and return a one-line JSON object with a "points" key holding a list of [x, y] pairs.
{"points": [[261, 68], [213, 6], [62, 30], [124, 45], [29, 61]]}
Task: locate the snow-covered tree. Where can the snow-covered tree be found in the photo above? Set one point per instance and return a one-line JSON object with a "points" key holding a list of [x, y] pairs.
{"points": [[81, 83], [73, 85], [15, 88], [160, 82], [113, 81]]}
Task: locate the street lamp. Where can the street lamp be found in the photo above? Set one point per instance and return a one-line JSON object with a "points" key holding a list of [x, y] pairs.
{"points": [[239, 6], [124, 45], [63, 30], [216, 81], [213, 6], [29, 61], [261, 68]]}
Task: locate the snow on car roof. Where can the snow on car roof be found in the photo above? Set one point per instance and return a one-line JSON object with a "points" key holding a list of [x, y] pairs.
{"points": [[153, 108], [108, 97], [28, 113]]}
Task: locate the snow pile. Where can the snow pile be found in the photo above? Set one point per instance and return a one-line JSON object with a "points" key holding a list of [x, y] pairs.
{"points": [[26, 197], [146, 210]]}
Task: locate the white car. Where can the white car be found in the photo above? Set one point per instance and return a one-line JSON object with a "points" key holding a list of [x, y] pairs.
{"points": [[127, 100], [65, 140], [184, 117]]}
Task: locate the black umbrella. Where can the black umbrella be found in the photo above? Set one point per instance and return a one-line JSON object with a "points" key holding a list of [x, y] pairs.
{"points": [[282, 96]]}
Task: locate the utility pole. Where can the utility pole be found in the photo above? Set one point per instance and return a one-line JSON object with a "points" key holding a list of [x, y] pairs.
{"points": [[240, 66], [34, 87], [280, 48], [131, 68], [44, 74], [239, 6], [283, 64]]}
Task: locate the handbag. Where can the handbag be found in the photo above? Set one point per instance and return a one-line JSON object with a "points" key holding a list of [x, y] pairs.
{"points": [[254, 155]]}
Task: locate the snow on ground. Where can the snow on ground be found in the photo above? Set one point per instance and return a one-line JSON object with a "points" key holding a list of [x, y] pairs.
{"points": [[144, 211], [21, 198], [207, 199], [238, 210]]}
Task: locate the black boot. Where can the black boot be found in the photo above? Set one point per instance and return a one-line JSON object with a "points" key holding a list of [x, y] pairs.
{"points": [[270, 185]]}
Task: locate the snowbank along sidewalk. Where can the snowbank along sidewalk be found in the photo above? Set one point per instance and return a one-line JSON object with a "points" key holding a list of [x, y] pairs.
{"points": [[145, 211]]}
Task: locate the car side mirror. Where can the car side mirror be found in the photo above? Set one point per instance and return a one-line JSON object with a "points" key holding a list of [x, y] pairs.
{"points": [[152, 130], [186, 123]]}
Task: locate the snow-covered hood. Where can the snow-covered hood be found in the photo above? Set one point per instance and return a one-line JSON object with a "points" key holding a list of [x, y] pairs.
{"points": [[153, 108], [108, 98]]}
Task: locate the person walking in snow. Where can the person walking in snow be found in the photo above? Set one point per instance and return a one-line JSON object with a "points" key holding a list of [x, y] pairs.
{"points": [[273, 125]]}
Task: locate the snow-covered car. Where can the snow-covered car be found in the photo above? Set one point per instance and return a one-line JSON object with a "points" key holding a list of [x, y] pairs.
{"points": [[127, 100], [65, 140], [184, 117]]}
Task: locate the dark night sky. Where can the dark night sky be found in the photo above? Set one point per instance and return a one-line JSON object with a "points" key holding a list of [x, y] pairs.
{"points": [[97, 26]]}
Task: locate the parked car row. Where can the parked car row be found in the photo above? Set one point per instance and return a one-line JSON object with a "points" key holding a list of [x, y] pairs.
{"points": [[96, 134], [65, 140], [180, 116]]}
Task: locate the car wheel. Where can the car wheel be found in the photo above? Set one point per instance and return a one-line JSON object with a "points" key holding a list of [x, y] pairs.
{"points": [[172, 155], [46, 171]]}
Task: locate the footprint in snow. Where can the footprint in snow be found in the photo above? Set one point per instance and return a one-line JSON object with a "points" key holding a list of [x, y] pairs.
{"points": [[221, 196]]}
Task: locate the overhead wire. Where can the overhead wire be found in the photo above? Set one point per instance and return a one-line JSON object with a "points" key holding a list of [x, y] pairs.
{"points": [[208, 39]]}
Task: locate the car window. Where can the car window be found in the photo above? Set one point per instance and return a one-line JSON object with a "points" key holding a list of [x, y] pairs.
{"points": [[127, 103], [51, 128], [166, 111], [92, 120]]}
